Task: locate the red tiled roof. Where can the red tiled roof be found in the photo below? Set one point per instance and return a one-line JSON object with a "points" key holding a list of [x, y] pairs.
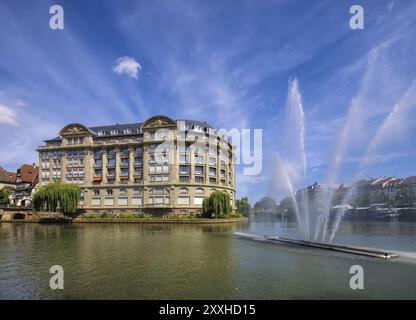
{"points": [[28, 173], [409, 180], [8, 177]]}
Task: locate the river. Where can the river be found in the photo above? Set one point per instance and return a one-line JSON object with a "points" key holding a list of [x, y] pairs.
{"points": [[134, 261]]}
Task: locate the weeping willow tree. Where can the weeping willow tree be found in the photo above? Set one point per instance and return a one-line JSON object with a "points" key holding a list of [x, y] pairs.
{"points": [[217, 205], [57, 196]]}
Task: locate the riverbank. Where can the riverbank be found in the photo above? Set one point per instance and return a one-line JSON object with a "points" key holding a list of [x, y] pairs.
{"points": [[26, 215], [163, 221], [48, 219]]}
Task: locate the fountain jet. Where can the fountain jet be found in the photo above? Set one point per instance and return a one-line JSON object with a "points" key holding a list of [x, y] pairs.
{"points": [[312, 206]]}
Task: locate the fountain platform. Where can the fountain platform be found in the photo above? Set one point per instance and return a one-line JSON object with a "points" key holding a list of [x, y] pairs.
{"points": [[375, 253]]}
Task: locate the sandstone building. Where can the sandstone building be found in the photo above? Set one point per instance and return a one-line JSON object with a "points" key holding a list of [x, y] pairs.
{"points": [[161, 166]]}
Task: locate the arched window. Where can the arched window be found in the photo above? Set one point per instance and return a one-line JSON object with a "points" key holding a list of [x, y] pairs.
{"points": [[183, 191], [109, 192], [199, 191], [137, 190], [123, 192]]}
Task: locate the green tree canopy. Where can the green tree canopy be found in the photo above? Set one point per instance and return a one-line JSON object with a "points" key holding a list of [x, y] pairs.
{"points": [[243, 206], [4, 197], [57, 196], [217, 205], [266, 204]]}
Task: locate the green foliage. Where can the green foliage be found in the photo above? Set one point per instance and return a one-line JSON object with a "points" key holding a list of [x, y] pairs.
{"points": [[361, 199], [266, 204], [243, 206], [287, 207], [217, 205], [105, 216], [4, 197], [56, 197], [406, 196]]}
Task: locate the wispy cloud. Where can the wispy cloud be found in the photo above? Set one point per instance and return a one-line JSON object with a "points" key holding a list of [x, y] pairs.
{"points": [[127, 65], [8, 115]]}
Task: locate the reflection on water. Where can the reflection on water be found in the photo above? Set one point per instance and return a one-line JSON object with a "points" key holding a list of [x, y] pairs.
{"points": [[133, 261]]}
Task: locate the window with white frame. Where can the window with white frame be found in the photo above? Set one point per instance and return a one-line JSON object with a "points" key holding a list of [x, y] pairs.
{"points": [[183, 200], [198, 200]]}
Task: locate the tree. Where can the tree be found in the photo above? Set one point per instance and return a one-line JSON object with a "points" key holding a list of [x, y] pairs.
{"points": [[378, 197], [4, 197], [217, 205], [57, 196], [361, 199], [287, 207], [266, 204], [405, 196], [243, 206]]}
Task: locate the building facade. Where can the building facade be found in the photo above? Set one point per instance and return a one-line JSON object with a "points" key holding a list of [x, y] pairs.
{"points": [[161, 166], [8, 182], [27, 178]]}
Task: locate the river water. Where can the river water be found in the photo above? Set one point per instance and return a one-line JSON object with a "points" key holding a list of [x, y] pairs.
{"points": [[134, 261]]}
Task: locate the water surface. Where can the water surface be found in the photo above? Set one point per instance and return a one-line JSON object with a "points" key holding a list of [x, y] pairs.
{"points": [[133, 261]]}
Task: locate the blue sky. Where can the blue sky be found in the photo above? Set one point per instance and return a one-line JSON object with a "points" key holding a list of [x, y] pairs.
{"points": [[226, 62]]}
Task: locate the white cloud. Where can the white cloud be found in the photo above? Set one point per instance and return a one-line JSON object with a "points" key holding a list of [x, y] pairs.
{"points": [[127, 65], [8, 115]]}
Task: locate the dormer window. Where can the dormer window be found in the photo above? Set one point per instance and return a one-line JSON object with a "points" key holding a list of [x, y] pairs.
{"points": [[127, 131], [114, 132], [100, 132]]}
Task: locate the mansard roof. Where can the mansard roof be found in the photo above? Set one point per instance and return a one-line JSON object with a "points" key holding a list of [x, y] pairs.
{"points": [[189, 124], [120, 127]]}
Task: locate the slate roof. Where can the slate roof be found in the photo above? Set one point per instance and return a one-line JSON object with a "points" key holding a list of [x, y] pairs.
{"points": [[190, 124], [120, 127]]}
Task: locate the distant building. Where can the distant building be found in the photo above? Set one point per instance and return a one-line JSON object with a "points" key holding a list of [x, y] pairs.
{"points": [[27, 178], [391, 186], [383, 191], [409, 182], [7, 179], [8, 182]]}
